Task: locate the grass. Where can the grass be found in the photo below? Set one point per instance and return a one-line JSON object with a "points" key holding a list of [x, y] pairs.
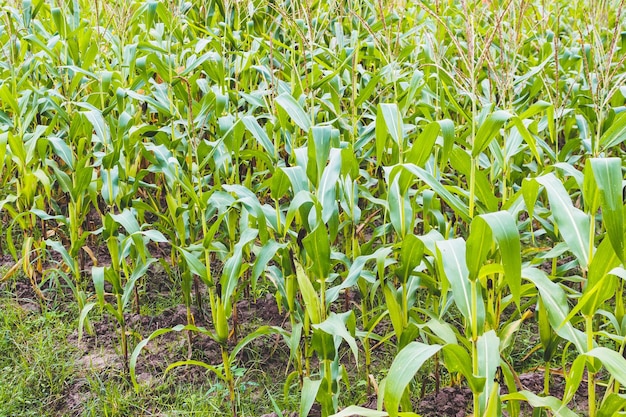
{"points": [[36, 361], [44, 373]]}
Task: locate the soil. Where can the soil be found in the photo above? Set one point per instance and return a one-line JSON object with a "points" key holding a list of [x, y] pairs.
{"points": [[457, 401], [100, 353]]}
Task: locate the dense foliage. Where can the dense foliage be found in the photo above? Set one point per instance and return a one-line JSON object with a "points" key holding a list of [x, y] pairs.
{"points": [[453, 168]]}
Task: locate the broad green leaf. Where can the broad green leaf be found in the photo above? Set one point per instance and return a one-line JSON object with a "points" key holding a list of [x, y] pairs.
{"points": [[127, 220], [488, 131], [552, 403], [488, 347], [616, 133], [400, 210], [294, 110], [457, 205], [261, 331], [58, 247], [327, 191], [608, 175], [388, 123], [318, 148], [573, 223], [83, 317], [461, 161], [110, 184], [452, 262], [310, 297], [232, 268], [411, 253], [479, 245], [97, 275], [423, 145], [265, 256], [335, 325], [601, 284], [574, 377], [457, 359], [591, 193], [555, 302], [613, 361], [61, 150], [354, 410], [506, 236], [612, 405], [396, 315], [279, 183], [139, 271], [259, 134], [100, 127], [317, 245], [4, 140], [309, 392], [356, 271], [527, 136], [402, 370]]}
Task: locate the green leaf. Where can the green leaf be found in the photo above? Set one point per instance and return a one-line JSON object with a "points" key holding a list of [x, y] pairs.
{"points": [[309, 392], [461, 161], [261, 331], [97, 275], [612, 405], [451, 258], [457, 359], [601, 284], [488, 131], [318, 147], [573, 223], [294, 110], [613, 361], [259, 134], [400, 210], [423, 146], [354, 410], [128, 221], [83, 317], [327, 190], [616, 133], [138, 271], [99, 125], [411, 253], [61, 150], [317, 245], [402, 370], [554, 404], [488, 347], [388, 123], [394, 308], [555, 302], [335, 325], [217, 371], [311, 300], [608, 175], [453, 201], [232, 268], [506, 236]]}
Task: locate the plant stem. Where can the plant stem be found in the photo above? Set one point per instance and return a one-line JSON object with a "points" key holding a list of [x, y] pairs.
{"points": [[123, 341], [591, 383], [230, 380]]}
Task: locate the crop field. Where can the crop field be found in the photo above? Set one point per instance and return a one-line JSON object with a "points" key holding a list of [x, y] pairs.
{"points": [[312, 208]]}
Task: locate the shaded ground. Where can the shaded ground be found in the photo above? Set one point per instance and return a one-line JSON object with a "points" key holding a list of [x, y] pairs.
{"points": [[100, 353]]}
